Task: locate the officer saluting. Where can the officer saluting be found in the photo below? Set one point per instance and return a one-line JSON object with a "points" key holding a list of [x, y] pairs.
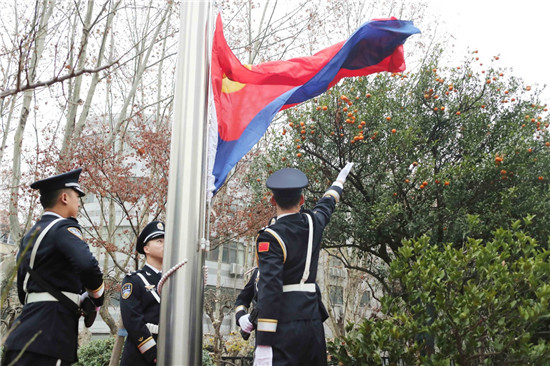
{"points": [[290, 312], [56, 267], [140, 302]]}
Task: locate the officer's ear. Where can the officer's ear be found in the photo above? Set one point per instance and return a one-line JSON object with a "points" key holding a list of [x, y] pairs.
{"points": [[146, 248], [64, 197], [272, 200], [302, 200]]}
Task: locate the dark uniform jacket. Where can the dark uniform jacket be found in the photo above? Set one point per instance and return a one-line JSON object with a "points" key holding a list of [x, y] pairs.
{"points": [[282, 261], [245, 297], [139, 306], [63, 260]]}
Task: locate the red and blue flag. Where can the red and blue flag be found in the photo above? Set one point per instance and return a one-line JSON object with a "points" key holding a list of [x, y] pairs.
{"points": [[246, 98]]}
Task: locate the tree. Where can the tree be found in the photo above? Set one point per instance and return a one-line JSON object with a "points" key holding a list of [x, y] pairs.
{"points": [[78, 76], [431, 148], [489, 299], [349, 295]]}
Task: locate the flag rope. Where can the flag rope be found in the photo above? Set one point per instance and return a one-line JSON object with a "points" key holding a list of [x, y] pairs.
{"points": [[169, 273]]}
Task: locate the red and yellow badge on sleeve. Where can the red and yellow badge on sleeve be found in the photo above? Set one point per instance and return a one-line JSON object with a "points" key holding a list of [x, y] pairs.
{"points": [[263, 246]]}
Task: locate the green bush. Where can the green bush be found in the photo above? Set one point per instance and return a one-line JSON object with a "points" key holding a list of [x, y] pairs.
{"points": [[206, 359], [96, 353], [483, 303]]}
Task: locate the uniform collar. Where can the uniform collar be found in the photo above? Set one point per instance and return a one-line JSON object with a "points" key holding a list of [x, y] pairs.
{"points": [[287, 214], [52, 213], [153, 268]]}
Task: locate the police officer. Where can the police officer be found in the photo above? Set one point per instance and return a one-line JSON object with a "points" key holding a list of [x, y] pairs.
{"points": [[140, 302], [54, 270], [290, 314]]}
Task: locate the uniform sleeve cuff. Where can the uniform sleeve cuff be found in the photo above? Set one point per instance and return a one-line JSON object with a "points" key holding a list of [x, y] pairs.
{"points": [[334, 191], [267, 325], [146, 345], [241, 308], [97, 293]]}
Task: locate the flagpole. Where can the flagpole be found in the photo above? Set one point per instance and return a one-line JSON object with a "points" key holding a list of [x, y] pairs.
{"points": [[180, 326]]}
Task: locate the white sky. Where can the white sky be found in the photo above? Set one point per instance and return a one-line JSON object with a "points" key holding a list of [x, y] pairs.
{"points": [[517, 31]]}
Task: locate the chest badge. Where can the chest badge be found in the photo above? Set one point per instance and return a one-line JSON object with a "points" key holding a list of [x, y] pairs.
{"points": [[150, 287]]}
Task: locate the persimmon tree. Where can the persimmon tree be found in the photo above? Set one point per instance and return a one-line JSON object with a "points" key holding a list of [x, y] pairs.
{"points": [[430, 148]]}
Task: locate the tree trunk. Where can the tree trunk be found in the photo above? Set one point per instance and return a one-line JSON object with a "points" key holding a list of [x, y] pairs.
{"points": [[46, 12], [74, 94], [107, 317], [117, 347], [147, 49]]}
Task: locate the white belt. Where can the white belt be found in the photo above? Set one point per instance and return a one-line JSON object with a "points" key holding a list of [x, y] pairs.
{"points": [[304, 287], [46, 296], [153, 328]]}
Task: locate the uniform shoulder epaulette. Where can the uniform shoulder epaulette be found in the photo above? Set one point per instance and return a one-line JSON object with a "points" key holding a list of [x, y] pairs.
{"points": [[271, 222], [72, 220]]}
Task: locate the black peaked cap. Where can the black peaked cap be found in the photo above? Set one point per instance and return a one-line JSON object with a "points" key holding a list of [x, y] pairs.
{"points": [[152, 231], [65, 180]]}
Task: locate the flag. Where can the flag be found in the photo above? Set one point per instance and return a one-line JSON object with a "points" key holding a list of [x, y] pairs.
{"points": [[246, 98]]}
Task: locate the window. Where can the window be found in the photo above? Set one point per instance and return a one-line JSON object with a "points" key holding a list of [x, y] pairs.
{"points": [[89, 198], [232, 253], [336, 294], [365, 299]]}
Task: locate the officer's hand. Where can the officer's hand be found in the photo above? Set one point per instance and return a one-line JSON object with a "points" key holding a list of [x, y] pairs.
{"points": [[83, 296], [263, 356], [245, 323], [344, 173]]}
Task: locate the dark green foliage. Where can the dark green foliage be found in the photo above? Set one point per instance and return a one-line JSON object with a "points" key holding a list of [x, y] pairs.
{"points": [[96, 353], [206, 358], [484, 303]]}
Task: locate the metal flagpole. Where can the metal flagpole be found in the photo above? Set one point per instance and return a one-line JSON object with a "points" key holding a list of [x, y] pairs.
{"points": [[180, 333]]}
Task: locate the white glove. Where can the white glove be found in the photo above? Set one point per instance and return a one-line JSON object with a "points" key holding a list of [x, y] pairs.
{"points": [[83, 297], [344, 173], [263, 356], [245, 323]]}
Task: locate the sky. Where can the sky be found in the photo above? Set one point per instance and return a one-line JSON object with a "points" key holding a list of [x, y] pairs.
{"points": [[517, 31]]}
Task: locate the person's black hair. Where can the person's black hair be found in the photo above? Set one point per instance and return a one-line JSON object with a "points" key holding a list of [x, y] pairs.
{"points": [[49, 199], [287, 199]]}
